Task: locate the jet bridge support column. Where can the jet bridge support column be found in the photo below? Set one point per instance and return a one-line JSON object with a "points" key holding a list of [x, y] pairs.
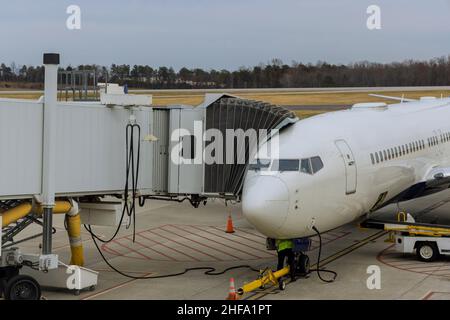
{"points": [[51, 62]]}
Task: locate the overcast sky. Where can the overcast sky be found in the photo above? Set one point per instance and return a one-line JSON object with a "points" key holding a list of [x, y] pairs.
{"points": [[222, 34]]}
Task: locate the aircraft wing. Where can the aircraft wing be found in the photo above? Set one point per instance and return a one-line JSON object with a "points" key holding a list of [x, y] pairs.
{"points": [[437, 177], [401, 99]]}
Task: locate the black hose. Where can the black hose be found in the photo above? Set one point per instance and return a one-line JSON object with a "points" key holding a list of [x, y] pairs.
{"points": [[210, 271], [318, 270], [132, 168]]}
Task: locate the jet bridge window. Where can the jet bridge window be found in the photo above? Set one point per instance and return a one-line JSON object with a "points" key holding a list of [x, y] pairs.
{"points": [[188, 150]]}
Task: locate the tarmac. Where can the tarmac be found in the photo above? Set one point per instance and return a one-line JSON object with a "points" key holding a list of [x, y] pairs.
{"points": [[171, 237]]}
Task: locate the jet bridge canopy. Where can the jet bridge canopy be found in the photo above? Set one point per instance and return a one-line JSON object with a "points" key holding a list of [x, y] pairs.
{"points": [[226, 113]]}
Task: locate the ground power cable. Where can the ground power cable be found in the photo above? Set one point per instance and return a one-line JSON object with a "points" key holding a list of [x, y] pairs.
{"points": [[318, 270]]}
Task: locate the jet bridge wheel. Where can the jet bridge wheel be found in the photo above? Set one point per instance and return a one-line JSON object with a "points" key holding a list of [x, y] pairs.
{"points": [[22, 287], [427, 251]]}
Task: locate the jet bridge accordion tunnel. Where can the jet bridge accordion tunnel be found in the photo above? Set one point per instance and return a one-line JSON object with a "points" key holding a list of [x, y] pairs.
{"points": [[75, 158]]}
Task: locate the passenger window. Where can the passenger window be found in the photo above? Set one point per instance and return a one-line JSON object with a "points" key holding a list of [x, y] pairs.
{"points": [[377, 158], [403, 150], [396, 152], [372, 158], [316, 164], [286, 165], [385, 155], [389, 154], [305, 166], [381, 156]]}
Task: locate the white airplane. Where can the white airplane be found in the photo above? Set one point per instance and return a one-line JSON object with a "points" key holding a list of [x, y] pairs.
{"points": [[336, 167]]}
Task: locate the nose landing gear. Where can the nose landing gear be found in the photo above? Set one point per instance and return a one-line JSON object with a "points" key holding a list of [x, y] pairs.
{"points": [[302, 264]]}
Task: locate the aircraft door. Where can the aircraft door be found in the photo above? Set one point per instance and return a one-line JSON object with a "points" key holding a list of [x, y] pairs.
{"points": [[349, 164]]}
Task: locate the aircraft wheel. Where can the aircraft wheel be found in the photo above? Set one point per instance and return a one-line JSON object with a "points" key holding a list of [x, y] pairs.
{"points": [[303, 264], [21, 287], [427, 251]]}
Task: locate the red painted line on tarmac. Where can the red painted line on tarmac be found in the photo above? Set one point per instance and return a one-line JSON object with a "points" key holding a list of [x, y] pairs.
{"points": [[110, 250], [412, 263], [240, 243], [257, 235], [157, 251], [240, 235], [126, 271], [428, 295], [221, 243], [133, 250], [123, 284], [183, 244], [426, 268], [166, 246], [202, 244]]}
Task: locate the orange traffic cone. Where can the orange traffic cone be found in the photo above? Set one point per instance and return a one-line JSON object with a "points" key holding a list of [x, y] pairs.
{"points": [[232, 295], [230, 228]]}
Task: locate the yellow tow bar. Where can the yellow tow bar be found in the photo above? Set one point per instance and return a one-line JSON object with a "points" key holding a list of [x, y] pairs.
{"points": [[265, 277]]}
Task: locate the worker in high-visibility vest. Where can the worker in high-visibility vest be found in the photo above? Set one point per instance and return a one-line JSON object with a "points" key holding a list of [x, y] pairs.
{"points": [[285, 249]]}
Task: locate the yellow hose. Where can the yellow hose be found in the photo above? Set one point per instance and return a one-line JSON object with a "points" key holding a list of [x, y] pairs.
{"points": [[16, 213], [76, 245], [59, 208], [73, 225], [24, 209]]}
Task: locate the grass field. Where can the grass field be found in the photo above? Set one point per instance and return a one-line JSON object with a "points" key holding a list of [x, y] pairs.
{"points": [[162, 98]]}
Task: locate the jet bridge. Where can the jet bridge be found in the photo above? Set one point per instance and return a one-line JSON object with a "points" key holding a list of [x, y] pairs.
{"points": [[66, 157]]}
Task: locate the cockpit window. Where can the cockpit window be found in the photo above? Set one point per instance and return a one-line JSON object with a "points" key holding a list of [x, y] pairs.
{"points": [[286, 165], [306, 166], [261, 164], [316, 163]]}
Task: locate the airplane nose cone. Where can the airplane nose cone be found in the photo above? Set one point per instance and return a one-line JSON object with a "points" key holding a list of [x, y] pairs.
{"points": [[265, 203]]}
